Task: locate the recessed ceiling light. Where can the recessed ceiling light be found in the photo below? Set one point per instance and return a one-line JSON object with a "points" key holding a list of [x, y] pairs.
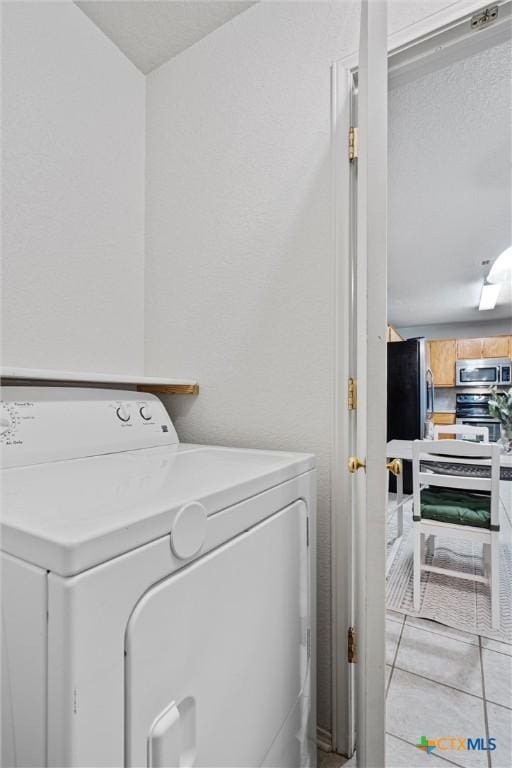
{"points": [[489, 296], [501, 270]]}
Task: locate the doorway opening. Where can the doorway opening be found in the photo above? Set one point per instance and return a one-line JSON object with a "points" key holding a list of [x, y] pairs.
{"points": [[448, 628], [455, 71]]}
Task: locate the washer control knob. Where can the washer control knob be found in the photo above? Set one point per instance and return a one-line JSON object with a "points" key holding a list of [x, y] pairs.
{"points": [[123, 413], [5, 424], [188, 530], [145, 413]]}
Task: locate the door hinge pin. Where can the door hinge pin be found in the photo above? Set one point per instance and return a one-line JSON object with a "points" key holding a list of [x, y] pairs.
{"points": [[307, 531], [351, 646], [308, 642], [352, 143], [352, 395]]}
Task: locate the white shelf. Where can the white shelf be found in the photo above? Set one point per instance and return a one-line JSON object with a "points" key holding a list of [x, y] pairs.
{"points": [[155, 384]]}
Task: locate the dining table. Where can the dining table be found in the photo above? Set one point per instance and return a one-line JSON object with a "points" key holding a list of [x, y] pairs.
{"points": [[402, 450]]}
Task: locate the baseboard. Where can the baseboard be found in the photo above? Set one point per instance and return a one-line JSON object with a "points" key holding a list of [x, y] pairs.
{"points": [[323, 739]]}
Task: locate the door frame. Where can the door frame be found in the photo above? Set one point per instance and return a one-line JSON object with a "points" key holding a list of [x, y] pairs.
{"points": [[409, 50]]}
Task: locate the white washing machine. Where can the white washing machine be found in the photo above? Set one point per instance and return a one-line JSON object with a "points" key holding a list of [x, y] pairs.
{"points": [[157, 597]]}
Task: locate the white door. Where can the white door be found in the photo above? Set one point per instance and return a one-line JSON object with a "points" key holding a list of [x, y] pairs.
{"points": [[370, 495], [218, 656]]}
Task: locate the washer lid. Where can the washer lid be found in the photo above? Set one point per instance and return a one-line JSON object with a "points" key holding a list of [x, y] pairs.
{"points": [[68, 516]]}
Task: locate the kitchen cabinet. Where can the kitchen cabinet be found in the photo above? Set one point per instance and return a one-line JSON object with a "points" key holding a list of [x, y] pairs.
{"points": [[469, 349], [393, 335], [489, 346], [496, 346], [443, 417], [442, 355]]}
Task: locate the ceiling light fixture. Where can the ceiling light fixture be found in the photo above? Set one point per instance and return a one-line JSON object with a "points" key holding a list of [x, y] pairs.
{"points": [[489, 296], [501, 270]]}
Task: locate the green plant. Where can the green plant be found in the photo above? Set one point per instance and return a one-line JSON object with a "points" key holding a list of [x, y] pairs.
{"points": [[500, 406]]}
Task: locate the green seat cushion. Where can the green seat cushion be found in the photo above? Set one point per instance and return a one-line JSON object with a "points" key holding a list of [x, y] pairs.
{"points": [[451, 505]]}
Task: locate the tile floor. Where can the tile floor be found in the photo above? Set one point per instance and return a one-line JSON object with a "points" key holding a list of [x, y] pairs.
{"points": [[442, 682]]}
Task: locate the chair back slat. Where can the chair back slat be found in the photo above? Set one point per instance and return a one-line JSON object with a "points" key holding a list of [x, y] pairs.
{"points": [[462, 429], [462, 448], [456, 481]]}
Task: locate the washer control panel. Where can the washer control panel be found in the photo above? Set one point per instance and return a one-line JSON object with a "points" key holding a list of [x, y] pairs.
{"points": [[9, 420], [39, 424]]}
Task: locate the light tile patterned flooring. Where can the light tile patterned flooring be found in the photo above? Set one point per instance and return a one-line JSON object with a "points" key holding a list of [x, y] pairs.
{"points": [[442, 682]]}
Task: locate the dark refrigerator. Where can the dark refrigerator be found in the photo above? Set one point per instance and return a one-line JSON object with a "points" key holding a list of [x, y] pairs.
{"points": [[410, 397]]}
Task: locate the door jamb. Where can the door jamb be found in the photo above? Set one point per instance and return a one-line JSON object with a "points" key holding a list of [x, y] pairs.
{"points": [[342, 551], [343, 711]]}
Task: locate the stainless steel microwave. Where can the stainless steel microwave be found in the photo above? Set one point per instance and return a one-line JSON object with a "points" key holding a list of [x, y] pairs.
{"points": [[483, 373]]}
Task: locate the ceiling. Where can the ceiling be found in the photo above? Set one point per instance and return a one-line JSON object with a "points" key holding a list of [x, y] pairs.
{"points": [[449, 189], [151, 32]]}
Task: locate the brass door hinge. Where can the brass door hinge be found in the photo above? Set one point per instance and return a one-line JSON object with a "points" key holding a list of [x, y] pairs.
{"points": [[351, 646], [485, 17], [352, 143], [352, 394]]}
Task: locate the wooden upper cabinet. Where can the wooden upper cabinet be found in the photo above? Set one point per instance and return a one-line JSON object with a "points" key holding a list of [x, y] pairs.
{"points": [[469, 349], [490, 346], [442, 355], [496, 346], [393, 334]]}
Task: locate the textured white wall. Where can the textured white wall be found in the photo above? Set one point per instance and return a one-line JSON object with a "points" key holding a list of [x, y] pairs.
{"points": [[239, 238], [73, 194]]}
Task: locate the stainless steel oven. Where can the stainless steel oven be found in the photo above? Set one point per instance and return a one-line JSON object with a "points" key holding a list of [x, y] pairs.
{"points": [[478, 373], [473, 409]]}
